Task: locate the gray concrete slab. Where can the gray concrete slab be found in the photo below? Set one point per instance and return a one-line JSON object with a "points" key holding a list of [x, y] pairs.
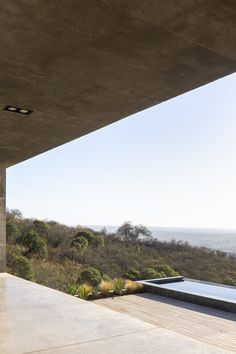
{"points": [[80, 65], [35, 319], [155, 341]]}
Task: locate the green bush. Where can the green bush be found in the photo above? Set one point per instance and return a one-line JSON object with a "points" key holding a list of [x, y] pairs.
{"points": [[12, 231], [98, 241], [149, 273], [88, 235], [229, 281], [133, 274], [167, 270], [91, 276], [34, 244], [105, 277], [80, 243], [22, 268]]}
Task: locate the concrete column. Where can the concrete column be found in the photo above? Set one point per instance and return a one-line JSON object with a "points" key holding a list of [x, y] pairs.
{"points": [[2, 220]]}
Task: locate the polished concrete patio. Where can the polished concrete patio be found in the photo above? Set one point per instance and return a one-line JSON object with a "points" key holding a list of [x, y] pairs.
{"points": [[36, 319]]}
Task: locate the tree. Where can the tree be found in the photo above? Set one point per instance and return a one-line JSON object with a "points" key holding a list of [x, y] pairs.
{"points": [[128, 232], [41, 227], [80, 243], [93, 240], [86, 234], [13, 225], [14, 213], [12, 231], [34, 244]]}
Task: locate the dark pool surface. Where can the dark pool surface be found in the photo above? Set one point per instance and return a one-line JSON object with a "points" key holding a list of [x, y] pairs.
{"points": [[202, 289]]}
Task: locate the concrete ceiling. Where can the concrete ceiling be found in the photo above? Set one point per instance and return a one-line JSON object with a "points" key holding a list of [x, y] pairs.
{"points": [[80, 65]]}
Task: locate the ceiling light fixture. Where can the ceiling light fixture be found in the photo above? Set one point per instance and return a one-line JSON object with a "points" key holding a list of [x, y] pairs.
{"points": [[17, 110]]}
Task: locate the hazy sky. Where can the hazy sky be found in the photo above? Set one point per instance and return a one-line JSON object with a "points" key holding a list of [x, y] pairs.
{"points": [[171, 165]]}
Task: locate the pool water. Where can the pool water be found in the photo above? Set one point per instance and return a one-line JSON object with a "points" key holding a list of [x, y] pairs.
{"points": [[203, 289]]}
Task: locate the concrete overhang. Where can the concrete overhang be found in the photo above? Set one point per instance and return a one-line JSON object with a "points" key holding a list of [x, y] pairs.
{"points": [[80, 65]]}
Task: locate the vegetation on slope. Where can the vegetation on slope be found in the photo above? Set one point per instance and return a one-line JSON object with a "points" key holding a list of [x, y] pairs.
{"points": [[65, 257]]}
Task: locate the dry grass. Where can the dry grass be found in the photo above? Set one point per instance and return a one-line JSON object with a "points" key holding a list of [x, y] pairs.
{"points": [[132, 286], [105, 286]]}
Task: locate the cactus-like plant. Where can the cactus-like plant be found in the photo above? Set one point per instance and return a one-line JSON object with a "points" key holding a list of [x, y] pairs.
{"points": [[118, 285]]}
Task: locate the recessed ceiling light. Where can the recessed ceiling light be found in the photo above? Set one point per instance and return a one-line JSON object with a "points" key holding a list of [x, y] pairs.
{"points": [[24, 111], [17, 110]]}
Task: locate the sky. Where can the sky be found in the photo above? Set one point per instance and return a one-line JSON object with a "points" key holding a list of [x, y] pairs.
{"points": [[170, 165]]}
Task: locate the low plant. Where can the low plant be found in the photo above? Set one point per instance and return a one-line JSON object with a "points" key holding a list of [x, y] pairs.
{"points": [[91, 276], [105, 287], [84, 290], [105, 277], [166, 270], [133, 287], [149, 273], [133, 274], [72, 289], [118, 285]]}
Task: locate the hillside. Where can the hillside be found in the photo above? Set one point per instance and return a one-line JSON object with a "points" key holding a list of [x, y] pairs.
{"points": [[59, 256]]}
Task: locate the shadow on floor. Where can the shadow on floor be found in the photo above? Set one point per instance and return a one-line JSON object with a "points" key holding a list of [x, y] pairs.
{"points": [[189, 306]]}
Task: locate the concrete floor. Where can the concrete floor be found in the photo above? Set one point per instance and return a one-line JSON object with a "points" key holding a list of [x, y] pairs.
{"points": [[36, 319]]}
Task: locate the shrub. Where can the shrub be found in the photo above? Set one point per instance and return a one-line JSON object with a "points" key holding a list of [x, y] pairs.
{"points": [[80, 243], [84, 290], [106, 277], [12, 231], [132, 286], [98, 241], [118, 285], [105, 287], [22, 268], [34, 244], [167, 270], [86, 234], [133, 274], [149, 273], [72, 289], [91, 276], [229, 281]]}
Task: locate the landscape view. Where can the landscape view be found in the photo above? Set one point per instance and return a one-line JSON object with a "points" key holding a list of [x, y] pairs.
{"points": [[165, 167], [79, 259]]}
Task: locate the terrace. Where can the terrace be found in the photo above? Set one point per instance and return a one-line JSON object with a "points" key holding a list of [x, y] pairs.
{"points": [[36, 319]]}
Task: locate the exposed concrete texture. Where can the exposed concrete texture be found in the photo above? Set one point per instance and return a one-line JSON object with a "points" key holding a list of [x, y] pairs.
{"points": [[36, 319], [81, 65], [2, 220]]}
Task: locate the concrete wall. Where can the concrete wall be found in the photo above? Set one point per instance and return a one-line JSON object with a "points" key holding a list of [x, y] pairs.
{"points": [[2, 220]]}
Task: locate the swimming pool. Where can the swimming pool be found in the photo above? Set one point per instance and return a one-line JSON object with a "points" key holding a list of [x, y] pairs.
{"points": [[195, 291]]}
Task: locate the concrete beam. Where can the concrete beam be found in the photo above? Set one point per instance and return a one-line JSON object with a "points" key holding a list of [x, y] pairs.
{"points": [[80, 65], [2, 220]]}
